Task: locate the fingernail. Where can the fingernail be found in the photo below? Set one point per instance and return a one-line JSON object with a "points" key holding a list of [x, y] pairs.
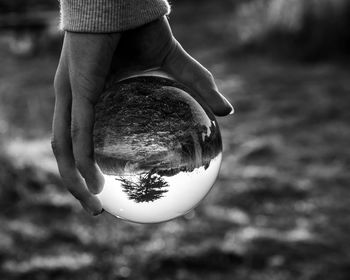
{"points": [[232, 110], [99, 213], [229, 104], [90, 211]]}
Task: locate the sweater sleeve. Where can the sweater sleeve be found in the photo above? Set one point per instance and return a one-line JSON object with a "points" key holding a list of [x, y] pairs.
{"points": [[102, 16]]}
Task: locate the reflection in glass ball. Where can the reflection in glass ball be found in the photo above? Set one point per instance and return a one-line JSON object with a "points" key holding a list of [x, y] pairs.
{"points": [[159, 150]]}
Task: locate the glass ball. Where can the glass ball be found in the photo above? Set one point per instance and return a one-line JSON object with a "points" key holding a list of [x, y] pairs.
{"points": [[158, 148]]}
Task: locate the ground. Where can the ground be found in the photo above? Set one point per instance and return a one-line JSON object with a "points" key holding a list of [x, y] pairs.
{"points": [[278, 211]]}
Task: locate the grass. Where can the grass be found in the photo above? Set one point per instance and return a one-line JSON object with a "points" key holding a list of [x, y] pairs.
{"points": [[279, 209]]}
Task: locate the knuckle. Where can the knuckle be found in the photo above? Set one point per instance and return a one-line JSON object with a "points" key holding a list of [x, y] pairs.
{"points": [[83, 164], [80, 164], [67, 174], [76, 192], [71, 184]]}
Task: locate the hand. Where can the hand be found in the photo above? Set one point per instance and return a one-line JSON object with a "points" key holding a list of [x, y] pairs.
{"points": [[87, 61]]}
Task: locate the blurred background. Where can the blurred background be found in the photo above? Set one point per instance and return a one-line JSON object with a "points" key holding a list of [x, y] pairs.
{"points": [[280, 208]]}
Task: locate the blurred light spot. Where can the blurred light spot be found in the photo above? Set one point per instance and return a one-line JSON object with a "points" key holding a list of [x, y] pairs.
{"points": [[304, 184], [172, 227], [288, 14], [231, 84], [6, 242], [22, 45], [299, 233], [58, 199], [36, 152], [276, 261], [124, 271], [156, 244], [28, 229], [69, 262], [253, 171], [233, 244], [233, 215], [82, 233]]}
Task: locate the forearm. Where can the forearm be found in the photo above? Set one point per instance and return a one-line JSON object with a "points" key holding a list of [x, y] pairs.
{"points": [[103, 16]]}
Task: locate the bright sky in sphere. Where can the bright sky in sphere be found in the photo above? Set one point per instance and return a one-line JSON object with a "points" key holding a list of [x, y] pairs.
{"points": [[185, 191]]}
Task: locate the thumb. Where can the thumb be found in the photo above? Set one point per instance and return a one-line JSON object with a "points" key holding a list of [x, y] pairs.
{"points": [[191, 73]]}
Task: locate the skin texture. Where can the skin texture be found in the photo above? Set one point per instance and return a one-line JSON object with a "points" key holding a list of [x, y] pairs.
{"points": [[87, 62]]}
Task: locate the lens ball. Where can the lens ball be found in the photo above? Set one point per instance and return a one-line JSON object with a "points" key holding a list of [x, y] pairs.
{"points": [[158, 148]]}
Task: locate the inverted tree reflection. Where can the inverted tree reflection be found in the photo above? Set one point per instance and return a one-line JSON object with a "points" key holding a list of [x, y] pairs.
{"points": [[147, 187]]}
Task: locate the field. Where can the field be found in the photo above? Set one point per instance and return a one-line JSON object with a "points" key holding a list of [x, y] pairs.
{"points": [[279, 210]]}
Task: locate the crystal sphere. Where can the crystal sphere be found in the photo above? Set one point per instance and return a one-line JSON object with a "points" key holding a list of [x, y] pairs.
{"points": [[159, 149]]}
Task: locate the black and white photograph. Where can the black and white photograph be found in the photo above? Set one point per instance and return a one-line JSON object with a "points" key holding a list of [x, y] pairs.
{"points": [[174, 140]]}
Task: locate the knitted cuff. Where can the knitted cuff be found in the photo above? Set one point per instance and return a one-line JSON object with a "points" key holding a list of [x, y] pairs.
{"points": [[103, 16]]}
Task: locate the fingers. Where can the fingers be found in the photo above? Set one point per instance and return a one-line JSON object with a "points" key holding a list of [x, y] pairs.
{"points": [[84, 65], [62, 146], [82, 141], [191, 73], [88, 69]]}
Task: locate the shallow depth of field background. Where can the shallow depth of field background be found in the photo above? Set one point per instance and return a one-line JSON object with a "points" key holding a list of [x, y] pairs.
{"points": [[280, 209]]}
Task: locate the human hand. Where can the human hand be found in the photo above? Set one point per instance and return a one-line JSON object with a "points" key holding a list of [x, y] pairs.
{"points": [[153, 46], [87, 61]]}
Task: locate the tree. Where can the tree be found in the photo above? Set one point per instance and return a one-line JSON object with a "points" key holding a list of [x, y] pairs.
{"points": [[147, 188]]}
